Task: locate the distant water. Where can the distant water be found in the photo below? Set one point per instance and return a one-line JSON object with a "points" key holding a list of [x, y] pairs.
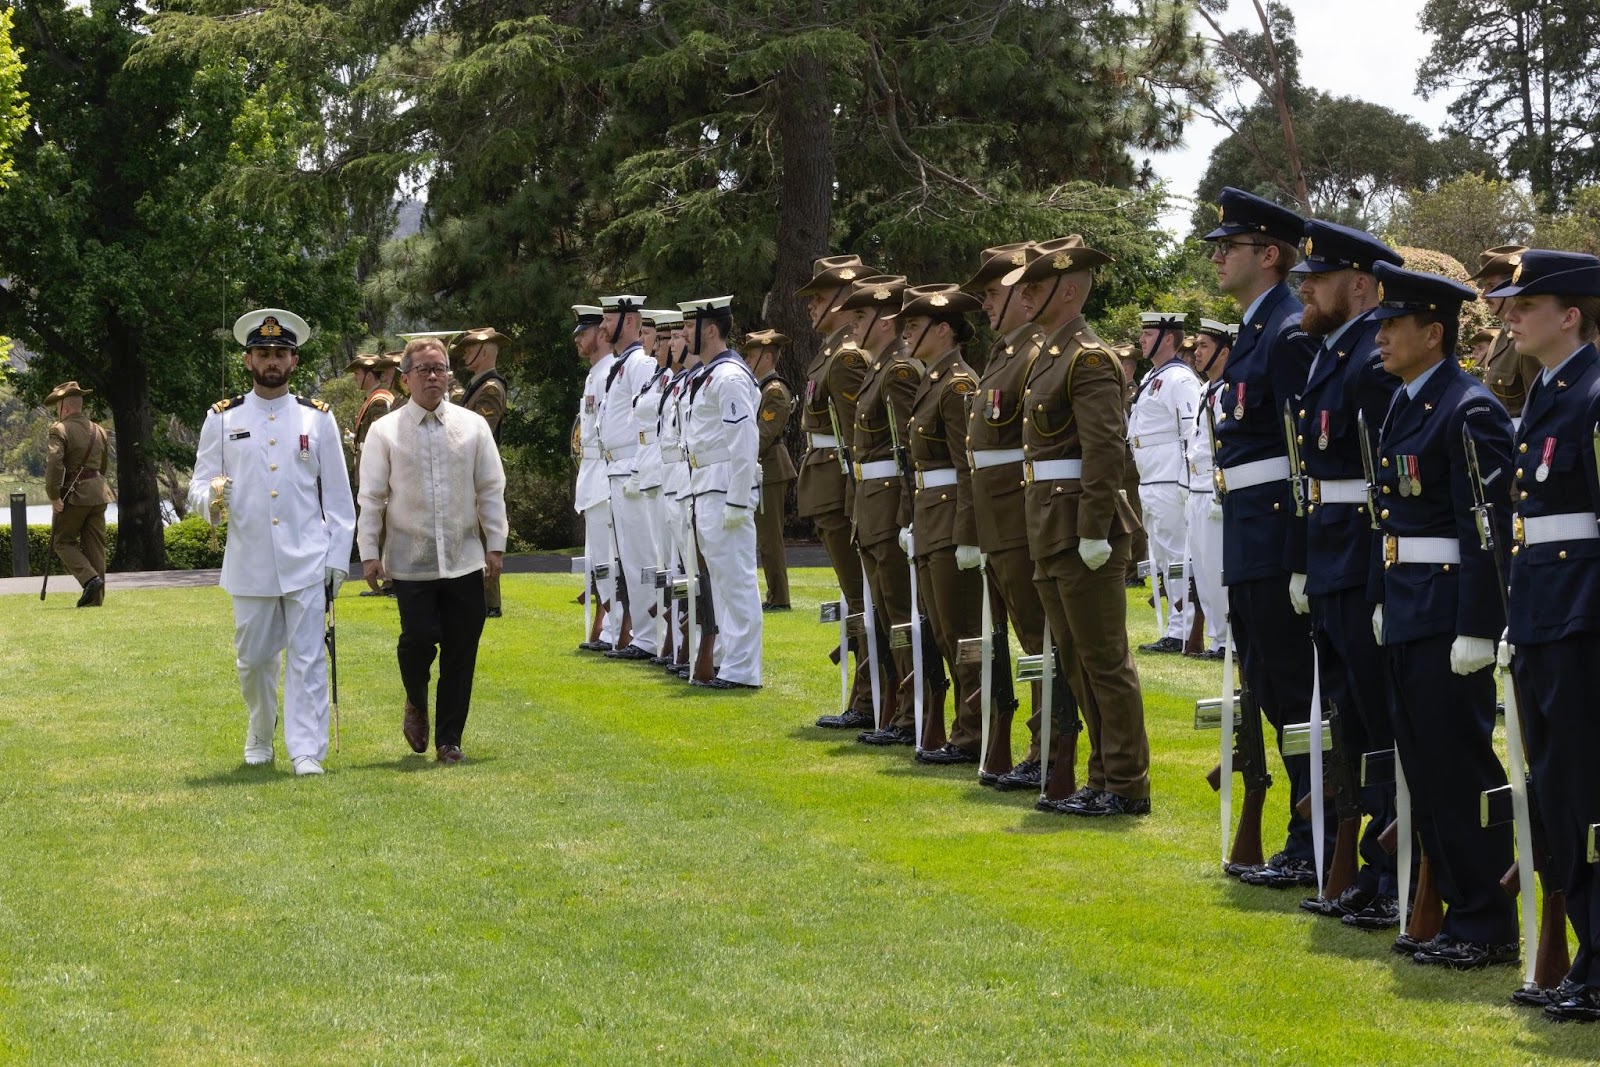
{"points": [[39, 514]]}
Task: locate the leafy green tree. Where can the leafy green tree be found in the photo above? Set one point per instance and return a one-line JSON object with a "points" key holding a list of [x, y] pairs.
{"points": [[127, 252], [1464, 216]]}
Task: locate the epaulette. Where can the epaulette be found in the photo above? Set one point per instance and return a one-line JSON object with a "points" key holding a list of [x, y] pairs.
{"points": [[223, 405], [308, 402], [963, 383]]}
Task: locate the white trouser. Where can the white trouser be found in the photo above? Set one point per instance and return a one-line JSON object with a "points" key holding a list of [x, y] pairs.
{"points": [[597, 546], [636, 544], [1203, 560], [270, 632], [1164, 522], [731, 559]]}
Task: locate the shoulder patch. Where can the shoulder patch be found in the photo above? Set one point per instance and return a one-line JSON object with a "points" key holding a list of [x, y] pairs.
{"points": [[902, 373], [1481, 409], [768, 415], [223, 405], [963, 386], [1092, 359], [851, 358], [308, 402]]}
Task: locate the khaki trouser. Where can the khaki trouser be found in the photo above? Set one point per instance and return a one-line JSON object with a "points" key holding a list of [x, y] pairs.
{"points": [[1088, 613], [1011, 571], [78, 536], [951, 601], [890, 575], [833, 530], [769, 542]]}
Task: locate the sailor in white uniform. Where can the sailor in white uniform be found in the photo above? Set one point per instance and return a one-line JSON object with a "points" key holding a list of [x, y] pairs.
{"points": [[271, 465], [591, 497], [1202, 558]]}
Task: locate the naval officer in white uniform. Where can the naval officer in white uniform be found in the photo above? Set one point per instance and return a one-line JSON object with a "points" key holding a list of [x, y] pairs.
{"points": [[271, 465]]}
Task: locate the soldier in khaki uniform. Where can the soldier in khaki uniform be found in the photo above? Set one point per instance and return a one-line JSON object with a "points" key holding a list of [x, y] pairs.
{"points": [[822, 492], [777, 468], [374, 375], [994, 444], [890, 382], [77, 455], [1079, 523], [939, 518], [1508, 374], [477, 351]]}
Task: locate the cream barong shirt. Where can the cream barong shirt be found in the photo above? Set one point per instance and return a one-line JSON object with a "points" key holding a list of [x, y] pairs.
{"points": [[430, 482]]}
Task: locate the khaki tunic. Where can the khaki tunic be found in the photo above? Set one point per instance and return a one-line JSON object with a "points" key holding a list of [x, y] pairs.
{"points": [[378, 403], [76, 444], [777, 471], [995, 422], [487, 396], [1508, 375], [822, 486], [892, 381]]}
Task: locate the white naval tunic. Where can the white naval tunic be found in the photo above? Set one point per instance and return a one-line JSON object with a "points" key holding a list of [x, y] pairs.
{"points": [[591, 497], [1203, 535], [724, 445], [284, 530], [1159, 427], [631, 518]]}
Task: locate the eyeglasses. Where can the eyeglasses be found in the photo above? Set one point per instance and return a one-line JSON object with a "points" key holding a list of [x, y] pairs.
{"points": [[1227, 248], [431, 372]]}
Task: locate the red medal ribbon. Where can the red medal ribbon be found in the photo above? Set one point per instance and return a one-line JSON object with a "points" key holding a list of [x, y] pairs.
{"points": [[1238, 401], [305, 446], [1549, 452]]}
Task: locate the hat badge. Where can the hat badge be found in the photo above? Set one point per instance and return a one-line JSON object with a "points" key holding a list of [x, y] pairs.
{"points": [[1018, 258], [270, 327], [1380, 292], [1515, 259], [846, 275], [1062, 261], [1516, 275], [1308, 246], [938, 300], [880, 293]]}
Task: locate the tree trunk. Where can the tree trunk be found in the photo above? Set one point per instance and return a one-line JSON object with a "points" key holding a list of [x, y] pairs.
{"points": [[140, 546], [805, 211], [1280, 103]]}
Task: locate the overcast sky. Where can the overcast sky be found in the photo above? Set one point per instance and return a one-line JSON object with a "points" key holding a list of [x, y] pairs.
{"points": [[1364, 48]]}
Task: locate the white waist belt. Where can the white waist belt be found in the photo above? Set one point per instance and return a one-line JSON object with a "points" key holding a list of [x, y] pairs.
{"points": [[1259, 472], [1421, 550], [937, 478], [1052, 470], [620, 452], [591, 452], [1160, 437], [708, 457], [647, 437], [1341, 491], [672, 453], [878, 468], [1543, 529], [821, 440], [985, 458]]}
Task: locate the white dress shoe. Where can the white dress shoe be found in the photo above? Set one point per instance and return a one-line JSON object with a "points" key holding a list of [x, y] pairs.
{"points": [[258, 757], [306, 765]]}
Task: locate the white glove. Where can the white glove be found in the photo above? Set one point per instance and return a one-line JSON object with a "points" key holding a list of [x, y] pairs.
{"points": [[1297, 594], [630, 488], [905, 540], [1093, 552], [1215, 509], [1377, 624], [734, 517], [335, 578], [968, 557], [1507, 649], [1470, 654]]}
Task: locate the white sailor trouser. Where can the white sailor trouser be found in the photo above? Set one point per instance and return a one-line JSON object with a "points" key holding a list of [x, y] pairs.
{"points": [[731, 560], [636, 544], [597, 546], [1203, 559], [286, 631], [1164, 521]]}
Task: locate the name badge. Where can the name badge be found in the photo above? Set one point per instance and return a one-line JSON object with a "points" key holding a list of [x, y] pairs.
{"points": [[238, 435]]}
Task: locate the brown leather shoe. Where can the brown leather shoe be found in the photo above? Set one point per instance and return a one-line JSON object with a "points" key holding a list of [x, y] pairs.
{"points": [[415, 728], [450, 754]]}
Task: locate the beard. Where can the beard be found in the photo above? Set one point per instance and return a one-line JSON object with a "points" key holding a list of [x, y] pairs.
{"points": [[269, 377], [1319, 321]]}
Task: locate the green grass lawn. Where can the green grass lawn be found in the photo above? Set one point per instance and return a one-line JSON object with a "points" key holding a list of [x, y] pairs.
{"points": [[626, 871]]}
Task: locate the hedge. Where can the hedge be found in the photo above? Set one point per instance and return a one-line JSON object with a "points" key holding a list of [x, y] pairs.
{"points": [[188, 547]]}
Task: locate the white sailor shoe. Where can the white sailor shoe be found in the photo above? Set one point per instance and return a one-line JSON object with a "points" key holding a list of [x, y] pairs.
{"points": [[306, 765]]}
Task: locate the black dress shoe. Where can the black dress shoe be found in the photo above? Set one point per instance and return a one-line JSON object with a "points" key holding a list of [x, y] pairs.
{"points": [[987, 779], [1465, 955], [1382, 914], [1291, 874], [1210, 653], [723, 683], [660, 661], [774, 607], [378, 592], [1239, 870], [891, 735], [1583, 1006], [1535, 997], [595, 646], [849, 720], [92, 596], [1108, 804], [1133, 583], [1406, 945], [1024, 775], [491, 613], [1166, 644], [948, 753], [1355, 898], [1068, 805], [632, 652]]}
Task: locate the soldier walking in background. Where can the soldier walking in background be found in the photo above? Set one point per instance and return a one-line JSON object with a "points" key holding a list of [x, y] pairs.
{"points": [[477, 352], [374, 376], [77, 459]]}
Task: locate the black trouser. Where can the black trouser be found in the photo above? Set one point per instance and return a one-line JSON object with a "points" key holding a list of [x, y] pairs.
{"points": [[443, 617]]}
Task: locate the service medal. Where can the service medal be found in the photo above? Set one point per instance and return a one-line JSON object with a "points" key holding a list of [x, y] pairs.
{"points": [[1415, 464], [1322, 438], [1238, 406], [1543, 470], [305, 446], [1403, 465]]}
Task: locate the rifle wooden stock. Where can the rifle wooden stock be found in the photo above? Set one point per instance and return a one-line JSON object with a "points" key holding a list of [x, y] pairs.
{"points": [[597, 621], [1553, 961], [1389, 839], [625, 634], [1250, 762], [1246, 849], [1346, 860], [703, 671], [1427, 910], [1063, 764], [1000, 760], [1214, 778], [1195, 642]]}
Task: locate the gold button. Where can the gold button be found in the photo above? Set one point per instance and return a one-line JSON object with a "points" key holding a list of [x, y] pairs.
{"points": [[1523, 447], [1562, 554], [272, 440], [274, 494], [1299, 438], [1386, 490], [272, 418], [1302, 413], [1447, 568], [1274, 507], [942, 496], [1522, 495], [1384, 514], [1023, 483], [1385, 461], [272, 466], [1311, 509], [274, 522], [1029, 392], [1024, 420], [1519, 472], [1302, 464], [1515, 549]]}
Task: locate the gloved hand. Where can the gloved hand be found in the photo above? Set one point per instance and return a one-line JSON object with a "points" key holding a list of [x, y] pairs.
{"points": [[1470, 654], [1215, 509], [630, 488], [1377, 624], [1093, 552], [334, 579], [968, 557], [1507, 649], [905, 540], [734, 517], [1297, 594]]}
